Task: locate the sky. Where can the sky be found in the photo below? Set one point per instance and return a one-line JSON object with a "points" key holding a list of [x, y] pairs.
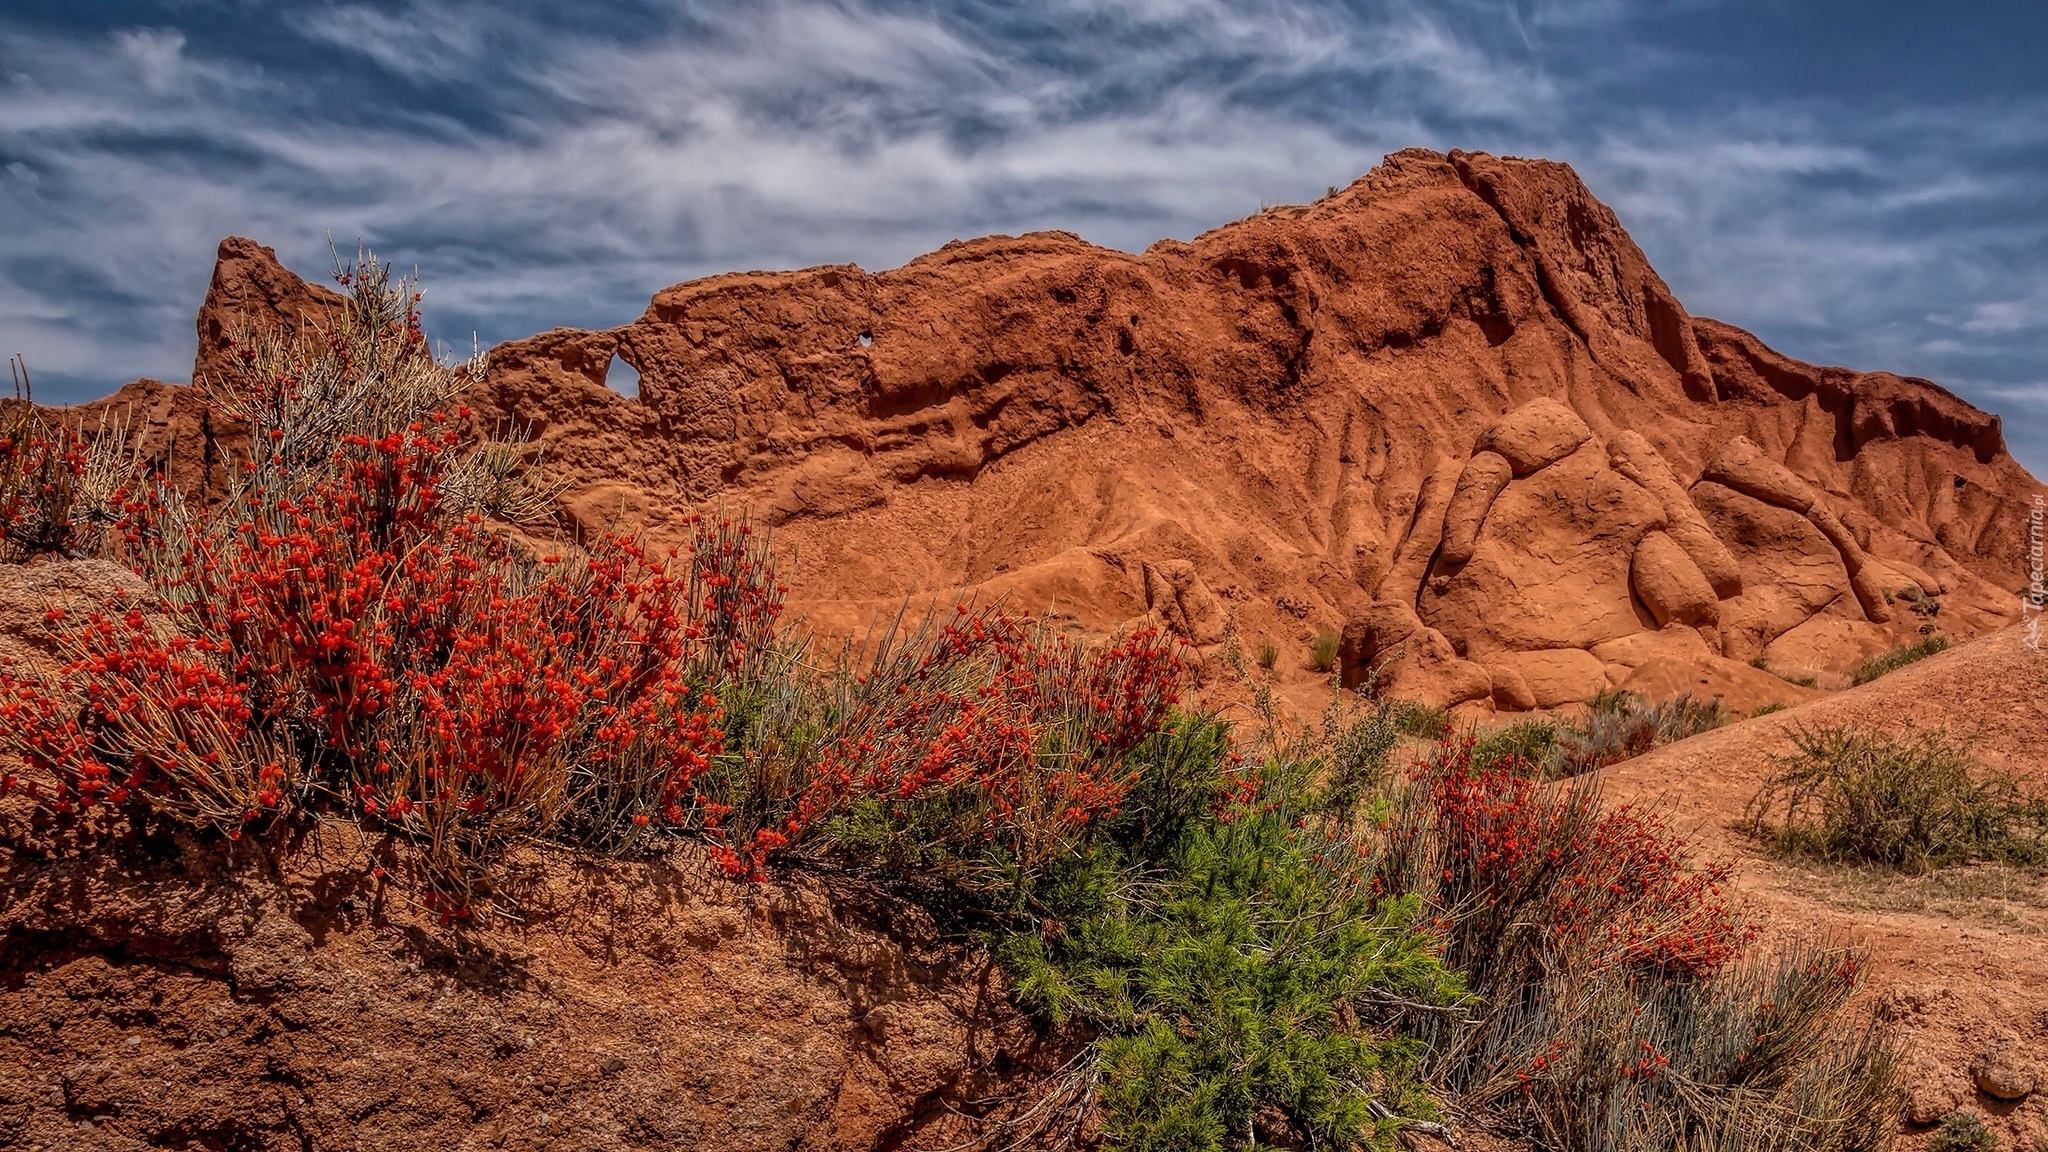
{"points": [[1859, 183]]}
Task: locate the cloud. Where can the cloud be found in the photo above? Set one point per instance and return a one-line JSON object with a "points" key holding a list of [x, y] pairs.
{"points": [[156, 54], [1998, 317]]}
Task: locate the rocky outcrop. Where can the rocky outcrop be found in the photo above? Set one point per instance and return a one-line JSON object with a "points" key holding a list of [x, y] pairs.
{"points": [[1455, 385], [289, 998], [252, 295]]}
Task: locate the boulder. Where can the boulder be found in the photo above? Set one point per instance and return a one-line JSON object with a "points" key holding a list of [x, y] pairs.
{"points": [[1537, 434], [1511, 693], [1482, 480], [1425, 668], [1670, 585], [1791, 571], [1633, 457], [1377, 629], [1828, 642], [1551, 567], [1556, 676], [1742, 465], [1676, 642], [1732, 682]]}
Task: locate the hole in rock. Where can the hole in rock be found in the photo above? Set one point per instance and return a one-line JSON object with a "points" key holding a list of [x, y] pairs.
{"points": [[620, 377], [866, 338]]}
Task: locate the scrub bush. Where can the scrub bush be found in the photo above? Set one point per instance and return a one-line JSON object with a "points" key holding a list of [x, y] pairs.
{"points": [[1914, 801], [1898, 658], [1621, 725], [1620, 1001], [1247, 984]]}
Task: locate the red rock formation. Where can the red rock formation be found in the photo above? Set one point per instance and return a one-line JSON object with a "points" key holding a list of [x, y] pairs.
{"points": [[1456, 385], [157, 999]]}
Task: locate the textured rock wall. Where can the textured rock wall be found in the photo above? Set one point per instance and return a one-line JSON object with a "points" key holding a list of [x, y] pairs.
{"points": [[1455, 385]]}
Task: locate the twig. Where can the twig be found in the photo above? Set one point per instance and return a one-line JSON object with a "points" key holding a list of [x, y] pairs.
{"points": [[1423, 1127]]}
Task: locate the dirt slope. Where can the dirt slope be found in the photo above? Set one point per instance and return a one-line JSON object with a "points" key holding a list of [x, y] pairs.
{"points": [[301, 1003], [1964, 975]]}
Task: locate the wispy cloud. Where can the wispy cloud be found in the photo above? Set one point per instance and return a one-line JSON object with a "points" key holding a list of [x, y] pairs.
{"points": [[550, 166]]}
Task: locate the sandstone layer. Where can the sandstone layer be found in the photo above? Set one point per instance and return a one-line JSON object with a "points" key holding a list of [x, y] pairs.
{"points": [[1453, 394]]}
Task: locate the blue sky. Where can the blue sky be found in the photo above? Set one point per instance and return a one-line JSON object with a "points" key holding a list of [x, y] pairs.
{"points": [[1859, 183]]}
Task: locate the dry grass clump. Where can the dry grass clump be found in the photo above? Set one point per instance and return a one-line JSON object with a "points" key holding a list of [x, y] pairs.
{"points": [[1617, 726], [1322, 653], [1267, 654], [1962, 1132], [1800, 679], [1913, 802], [1898, 658]]}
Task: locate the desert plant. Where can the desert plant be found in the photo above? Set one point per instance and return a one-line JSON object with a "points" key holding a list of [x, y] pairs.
{"points": [[974, 745], [1267, 654], [42, 467], [1620, 725], [346, 628], [1361, 748], [1898, 658], [1768, 1054], [1913, 801], [1767, 709], [1526, 745], [1529, 873], [1246, 984], [1962, 1132], [1322, 654], [1618, 1007], [1423, 721]]}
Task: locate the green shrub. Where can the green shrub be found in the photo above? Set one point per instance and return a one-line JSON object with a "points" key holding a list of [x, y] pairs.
{"points": [[1322, 654], [1532, 744], [1237, 966], [1360, 751], [1898, 658], [1268, 654], [1912, 802], [1767, 709], [1424, 721], [1962, 1132]]}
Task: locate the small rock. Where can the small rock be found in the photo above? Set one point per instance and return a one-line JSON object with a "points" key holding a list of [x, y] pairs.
{"points": [[2002, 1073]]}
